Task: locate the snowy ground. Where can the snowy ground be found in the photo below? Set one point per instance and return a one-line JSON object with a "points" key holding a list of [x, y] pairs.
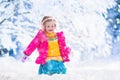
{"points": [[11, 69]]}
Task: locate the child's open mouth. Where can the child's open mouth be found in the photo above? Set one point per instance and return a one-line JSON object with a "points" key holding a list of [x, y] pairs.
{"points": [[50, 30]]}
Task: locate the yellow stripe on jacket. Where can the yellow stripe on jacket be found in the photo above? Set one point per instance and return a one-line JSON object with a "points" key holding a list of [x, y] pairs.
{"points": [[53, 50]]}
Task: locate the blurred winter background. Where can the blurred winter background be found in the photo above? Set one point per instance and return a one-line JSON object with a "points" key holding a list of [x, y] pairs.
{"points": [[91, 27]]}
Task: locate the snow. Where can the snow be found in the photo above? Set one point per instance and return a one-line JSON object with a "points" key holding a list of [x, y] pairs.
{"points": [[11, 69], [85, 31]]}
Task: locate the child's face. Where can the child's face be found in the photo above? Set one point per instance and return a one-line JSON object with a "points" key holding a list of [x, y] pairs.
{"points": [[49, 26]]}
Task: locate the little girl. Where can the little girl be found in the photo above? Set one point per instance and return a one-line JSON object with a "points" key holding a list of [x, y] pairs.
{"points": [[51, 46]]}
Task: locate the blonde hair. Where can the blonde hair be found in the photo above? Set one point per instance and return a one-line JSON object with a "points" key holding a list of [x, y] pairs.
{"points": [[47, 18]]}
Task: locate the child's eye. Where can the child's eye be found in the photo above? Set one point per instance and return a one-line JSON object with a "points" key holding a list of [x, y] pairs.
{"points": [[48, 26]]}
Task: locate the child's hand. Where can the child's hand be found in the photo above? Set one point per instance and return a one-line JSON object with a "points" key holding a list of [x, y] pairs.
{"points": [[24, 58]]}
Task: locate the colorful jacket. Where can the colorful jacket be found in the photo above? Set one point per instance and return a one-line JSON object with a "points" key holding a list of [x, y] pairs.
{"points": [[41, 43]]}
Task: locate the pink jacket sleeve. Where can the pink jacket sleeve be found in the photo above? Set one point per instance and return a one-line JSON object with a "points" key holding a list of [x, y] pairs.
{"points": [[65, 50], [33, 44]]}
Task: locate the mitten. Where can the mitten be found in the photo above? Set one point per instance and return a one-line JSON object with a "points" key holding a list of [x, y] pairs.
{"points": [[24, 58]]}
